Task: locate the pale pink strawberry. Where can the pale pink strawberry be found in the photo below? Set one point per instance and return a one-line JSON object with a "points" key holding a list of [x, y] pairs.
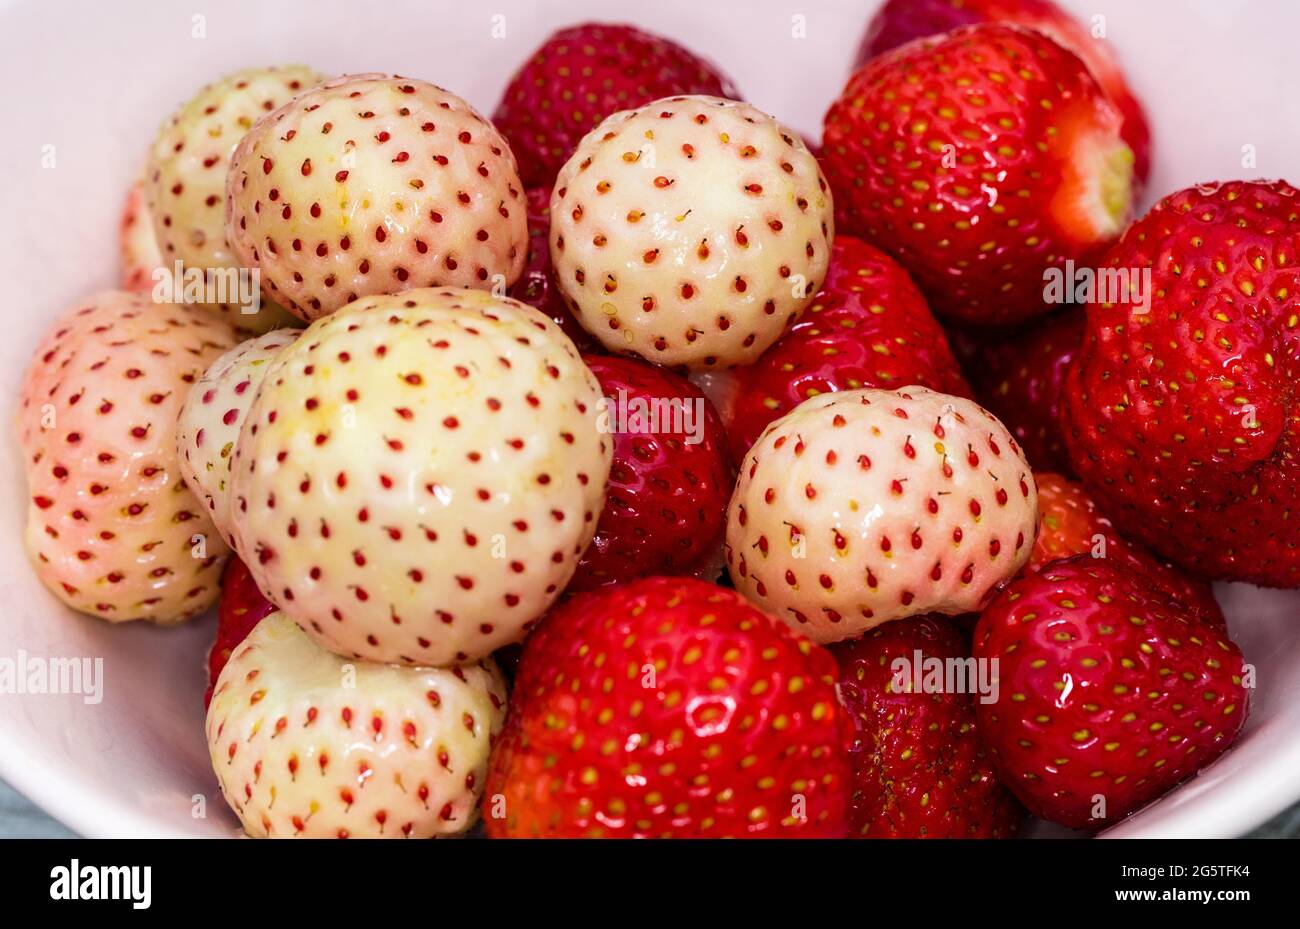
{"points": [[866, 506], [420, 474], [211, 418], [308, 745], [185, 179], [373, 185], [111, 527], [142, 263], [692, 231]]}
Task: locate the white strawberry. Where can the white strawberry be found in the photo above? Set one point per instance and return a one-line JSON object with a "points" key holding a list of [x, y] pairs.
{"points": [[185, 179], [420, 474], [865, 506], [211, 418], [141, 260], [374, 185], [691, 231], [111, 528], [305, 744]]}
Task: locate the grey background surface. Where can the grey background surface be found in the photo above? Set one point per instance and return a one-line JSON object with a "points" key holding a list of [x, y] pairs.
{"points": [[20, 820]]}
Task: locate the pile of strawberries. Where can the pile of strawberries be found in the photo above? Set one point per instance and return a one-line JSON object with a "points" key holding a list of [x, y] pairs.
{"points": [[641, 471]]}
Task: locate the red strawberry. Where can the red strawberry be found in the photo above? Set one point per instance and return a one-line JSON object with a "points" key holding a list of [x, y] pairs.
{"points": [[867, 327], [241, 607], [536, 286], [582, 74], [666, 500], [669, 706], [1181, 413], [1107, 697], [919, 768], [900, 21], [1070, 523], [979, 159], [1020, 381]]}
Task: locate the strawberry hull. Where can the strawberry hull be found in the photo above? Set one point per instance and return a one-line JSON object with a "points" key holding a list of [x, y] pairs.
{"points": [[900, 21], [978, 208]]}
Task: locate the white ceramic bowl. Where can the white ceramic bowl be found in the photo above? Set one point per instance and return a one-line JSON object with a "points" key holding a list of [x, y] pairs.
{"points": [[89, 82]]}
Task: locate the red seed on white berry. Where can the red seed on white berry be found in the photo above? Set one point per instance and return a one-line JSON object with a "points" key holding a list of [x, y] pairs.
{"points": [[111, 528], [369, 185], [212, 416], [420, 474], [307, 745], [693, 231], [865, 506]]}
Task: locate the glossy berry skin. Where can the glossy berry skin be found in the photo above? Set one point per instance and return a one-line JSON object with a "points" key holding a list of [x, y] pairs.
{"points": [[666, 500], [419, 475], [1020, 381], [536, 286], [979, 159], [213, 414], [1107, 697], [185, 177], [691, 231], [866, 506], [142, 263], [371, 185], [1181, 417], [670, 707], [868, 326], [920, 770], [582, 74], [112, 529], [307, 744], [1070, 523], [901, 21], [240, 608]]}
